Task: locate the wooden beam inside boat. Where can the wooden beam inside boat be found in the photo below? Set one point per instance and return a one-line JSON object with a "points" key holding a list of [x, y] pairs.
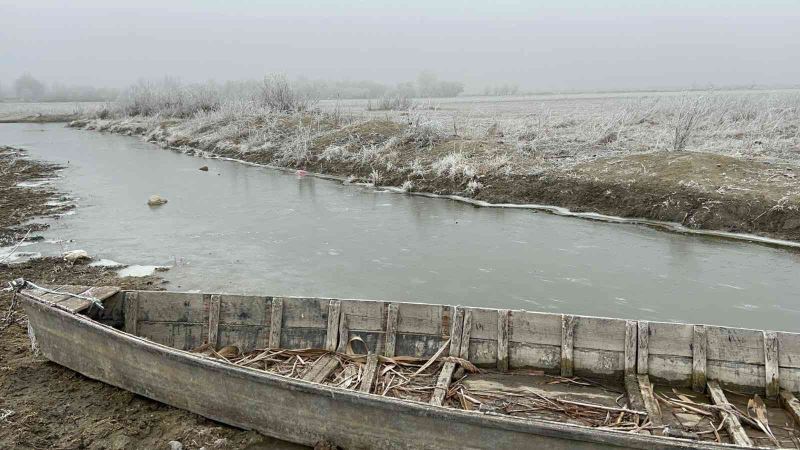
{"points": [[650, 402], [771, 364], [391, 330], [213, 320], [642, 350], [332, 335], [503, 317], [449, 367], [321, 368], [131, 312], [370, 371], [276, 322], [630, 347], [732, 423], [699, 358], [567, 344]]}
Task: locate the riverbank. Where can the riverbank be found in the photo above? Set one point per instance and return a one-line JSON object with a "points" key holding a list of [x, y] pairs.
{"points": [[44, 405], [699, 190]]}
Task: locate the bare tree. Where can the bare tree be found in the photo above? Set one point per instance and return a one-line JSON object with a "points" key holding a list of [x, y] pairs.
{"points": [[278, 94], [28, 88]]}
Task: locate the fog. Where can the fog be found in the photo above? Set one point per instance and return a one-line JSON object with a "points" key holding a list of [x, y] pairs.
{"points": [[546, 45]]}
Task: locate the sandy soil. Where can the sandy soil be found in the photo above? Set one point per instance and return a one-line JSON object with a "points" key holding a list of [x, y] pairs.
{"points": [[44, 405]]}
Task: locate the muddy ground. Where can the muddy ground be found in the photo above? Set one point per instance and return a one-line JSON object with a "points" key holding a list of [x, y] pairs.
{"points": [[44, 405]]}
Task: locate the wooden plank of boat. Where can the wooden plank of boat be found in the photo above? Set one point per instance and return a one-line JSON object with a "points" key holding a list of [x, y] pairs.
{"points": [[503, 318], [321, 368], [98, 294], [732, 423], [299, 411], [699, 358], [567, 344], [650, 402], [370, 371], [276, 321], [391, 329], [459, 330]]}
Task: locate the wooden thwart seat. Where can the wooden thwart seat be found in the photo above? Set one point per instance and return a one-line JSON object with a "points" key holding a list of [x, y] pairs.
{"points": [[65, 296]]}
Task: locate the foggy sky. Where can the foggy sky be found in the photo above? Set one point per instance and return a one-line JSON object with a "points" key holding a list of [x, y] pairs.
{"points": [[545, 45]]}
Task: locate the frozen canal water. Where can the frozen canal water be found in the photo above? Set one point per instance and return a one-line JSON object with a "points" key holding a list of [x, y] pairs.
{"points": [[243, 229]]}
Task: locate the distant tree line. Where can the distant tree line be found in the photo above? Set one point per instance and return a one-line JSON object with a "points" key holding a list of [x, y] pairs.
{"points": [[427, 84], [501, 89], [28, 88]]}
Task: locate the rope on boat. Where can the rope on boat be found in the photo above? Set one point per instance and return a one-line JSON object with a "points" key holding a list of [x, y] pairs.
{"points": [[20, 284]]}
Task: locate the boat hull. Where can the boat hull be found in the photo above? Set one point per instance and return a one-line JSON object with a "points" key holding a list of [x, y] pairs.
{"points": [[294, 410]]}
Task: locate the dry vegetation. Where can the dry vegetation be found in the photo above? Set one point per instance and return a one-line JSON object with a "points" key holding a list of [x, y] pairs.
{"points": [[563, 152]]}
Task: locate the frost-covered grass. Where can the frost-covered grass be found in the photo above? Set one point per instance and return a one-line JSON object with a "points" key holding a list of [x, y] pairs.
{"points": [[457, 142]]}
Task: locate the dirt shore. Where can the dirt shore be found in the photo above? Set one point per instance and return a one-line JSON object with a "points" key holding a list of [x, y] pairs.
{"points": [[44, 405], [699, 190]]}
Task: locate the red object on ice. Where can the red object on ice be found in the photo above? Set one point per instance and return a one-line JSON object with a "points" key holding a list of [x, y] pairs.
{"points": [[301, 173]]}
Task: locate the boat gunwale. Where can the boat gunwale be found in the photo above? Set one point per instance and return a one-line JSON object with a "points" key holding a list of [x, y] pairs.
{"points": [[532, 426]]}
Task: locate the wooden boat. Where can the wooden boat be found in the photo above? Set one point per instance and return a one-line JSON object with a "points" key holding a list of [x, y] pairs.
{"points": [[375, 374]]}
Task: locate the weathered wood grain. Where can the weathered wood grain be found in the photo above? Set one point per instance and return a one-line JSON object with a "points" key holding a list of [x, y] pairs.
{"points": [[171, 307], [771, 369], [370, 370], [245, 337], [735, 344], [276, 323], [466, 335], [630, 347], [650, 402], [484, 324], [99, 293], [363, 315], [699, 358], [300, 312], [599, 333], [443, 383], [673, 339], [602, 363], [213, 320], [632, 389], [567, 344], [535, 328], [502, 339], [332, 333], [321, 368], [670, 370], [343, 331], [419, 318], [789, 345], [643, 347], [391, 330], [295, 410], [731, 420], [456, 332], [63, 293], [245, 310], [737, 376], [535, 356], [131, 312], [180, 335]]}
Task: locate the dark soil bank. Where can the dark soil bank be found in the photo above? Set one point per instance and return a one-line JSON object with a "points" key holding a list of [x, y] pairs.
{"points": [[44, 405]]}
